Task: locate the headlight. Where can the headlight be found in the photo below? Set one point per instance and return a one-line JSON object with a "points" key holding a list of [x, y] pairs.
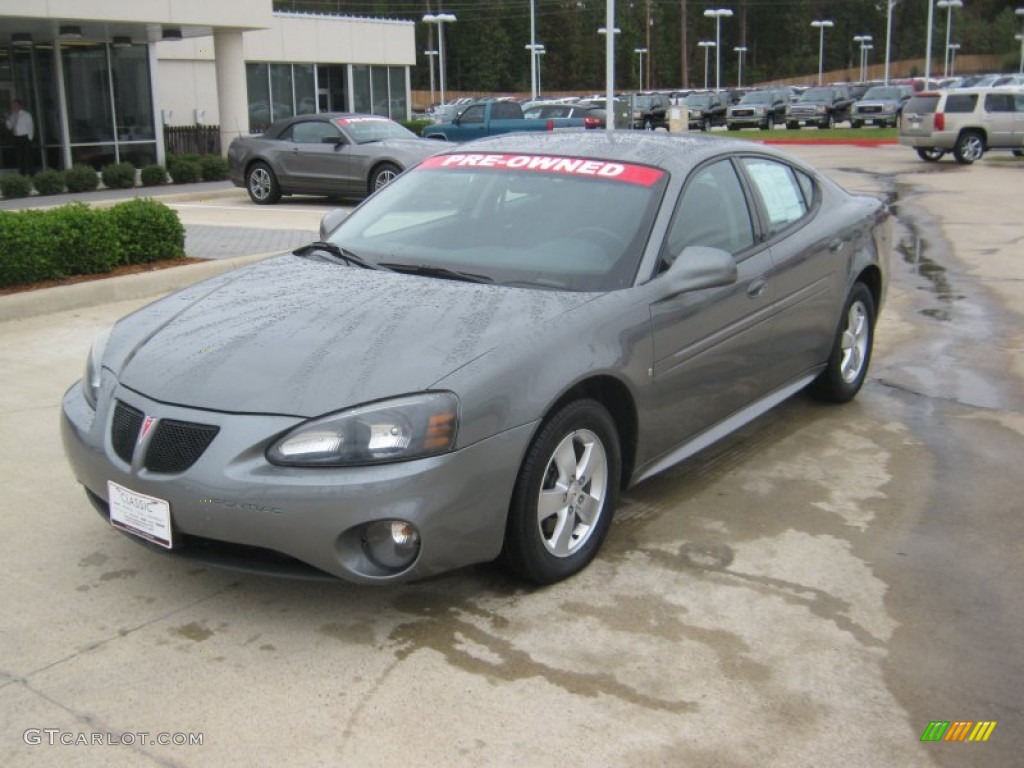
{"points": [[696, 112], [93, 368], [761, 110], [400, 429], [821, 109]]}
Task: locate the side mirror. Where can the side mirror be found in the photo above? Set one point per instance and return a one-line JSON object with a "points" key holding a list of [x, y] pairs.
{"points": [[331, 220], [699, 267]]}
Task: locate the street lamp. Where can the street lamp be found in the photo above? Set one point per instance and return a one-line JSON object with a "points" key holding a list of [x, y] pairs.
{"points": [[949, 5], [536, 50], [440, 19], [718, 14], [609, 61], [1020, 36], [953, 48], [867, 52], [640, 52], [822, 26], [888, 35], [862, 39], [430, 56], [707, 45], [740, 50]]}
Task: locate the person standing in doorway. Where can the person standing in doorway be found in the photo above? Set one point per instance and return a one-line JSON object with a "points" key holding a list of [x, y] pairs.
{"points": [[21, 125]]}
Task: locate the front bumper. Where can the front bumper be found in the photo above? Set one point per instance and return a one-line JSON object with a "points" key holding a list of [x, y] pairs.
{"points": [[232, 508]]}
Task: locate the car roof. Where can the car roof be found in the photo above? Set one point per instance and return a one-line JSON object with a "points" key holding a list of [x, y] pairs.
{"points": [[674, 153], [278, 126]]}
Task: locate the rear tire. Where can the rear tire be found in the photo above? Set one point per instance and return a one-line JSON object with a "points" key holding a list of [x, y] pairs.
{"points": [[565, 495], [930, 154], [851, 350], [970, 146]]}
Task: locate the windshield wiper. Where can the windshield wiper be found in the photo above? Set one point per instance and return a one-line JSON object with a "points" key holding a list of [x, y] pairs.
{"points": [[339, 254], [443, 272]]}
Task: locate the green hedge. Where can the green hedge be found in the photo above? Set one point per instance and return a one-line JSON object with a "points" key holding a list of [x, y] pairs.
{"points": [[49, 182], [416, 126], [15, 185], [75, 239], [81, 178], [153, 175], [119, 176]]}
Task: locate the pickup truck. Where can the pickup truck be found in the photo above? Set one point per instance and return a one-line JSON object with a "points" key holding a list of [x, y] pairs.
{"points": [[823, 106], [491, 118]]}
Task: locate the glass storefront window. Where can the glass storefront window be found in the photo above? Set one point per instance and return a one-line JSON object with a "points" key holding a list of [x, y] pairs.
{"points": [[258, 87], [398, 104], [281, 91], [133, 100], [90, 113], [361, 98], [305, 89]]}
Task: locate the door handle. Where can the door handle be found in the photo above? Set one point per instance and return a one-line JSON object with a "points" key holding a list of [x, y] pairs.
{"points": [[836, 245], [756, 287]]}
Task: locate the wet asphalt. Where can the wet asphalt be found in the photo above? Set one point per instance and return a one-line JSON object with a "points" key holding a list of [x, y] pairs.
{"points": [[812, 591]]}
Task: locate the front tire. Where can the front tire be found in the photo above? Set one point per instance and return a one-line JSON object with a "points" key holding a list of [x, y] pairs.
{"points": [[856, 124], [382, 175], [705, 125], [262, 185], [970, 146], [565, 495], [827, 123], [792, 126], [851, 351]]}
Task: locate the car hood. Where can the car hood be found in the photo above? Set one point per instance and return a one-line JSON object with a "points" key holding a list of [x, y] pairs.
{"points": [[296, 337], [421, 148]]}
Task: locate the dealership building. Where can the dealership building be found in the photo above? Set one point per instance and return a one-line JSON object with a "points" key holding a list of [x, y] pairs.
{"points": [[103, 79]]}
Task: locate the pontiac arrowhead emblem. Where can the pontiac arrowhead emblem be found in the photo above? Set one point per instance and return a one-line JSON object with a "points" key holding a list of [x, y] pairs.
{"points": [[146, 426]]}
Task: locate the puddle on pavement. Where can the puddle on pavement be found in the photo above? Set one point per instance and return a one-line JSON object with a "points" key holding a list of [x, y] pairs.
{"points": [[913, 249]]}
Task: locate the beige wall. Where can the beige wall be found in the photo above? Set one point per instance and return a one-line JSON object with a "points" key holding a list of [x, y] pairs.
{"points": [[243, 14], [324, 40], [185, 86]]}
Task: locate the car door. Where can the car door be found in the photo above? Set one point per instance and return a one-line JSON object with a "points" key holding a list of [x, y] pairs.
{"points": [[1018, 119], [317, 160], [709, 346], [1000, 118], [808, 266]]}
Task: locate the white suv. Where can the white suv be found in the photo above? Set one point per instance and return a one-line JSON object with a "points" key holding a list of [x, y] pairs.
{"points": [[967, 122]]}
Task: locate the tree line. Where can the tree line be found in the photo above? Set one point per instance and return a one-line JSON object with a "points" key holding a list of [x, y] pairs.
{"points": [[485, 48]]}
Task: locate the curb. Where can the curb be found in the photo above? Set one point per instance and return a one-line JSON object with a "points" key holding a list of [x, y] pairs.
{"points": [[45, 301]]}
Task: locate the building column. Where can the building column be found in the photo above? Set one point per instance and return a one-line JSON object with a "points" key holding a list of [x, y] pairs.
{"points": [[232, 94]]}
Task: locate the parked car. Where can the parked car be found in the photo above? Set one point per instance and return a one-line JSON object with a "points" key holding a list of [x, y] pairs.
{"points": [[623, 111], [592, 117], [706, 109], [880, 106], [492, 118], [650, 110], [758, 109], [337, 154], [967, 122], [822, 107], [475, 362]]}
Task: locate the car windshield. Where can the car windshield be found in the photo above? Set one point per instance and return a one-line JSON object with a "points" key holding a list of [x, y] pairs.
{"points": [[757, 97], [698, 99], [883, 92], [817, 94], [552, 222], [644, 102], [364, 130]]}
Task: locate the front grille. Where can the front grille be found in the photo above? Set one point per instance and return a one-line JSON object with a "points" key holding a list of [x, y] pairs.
{"points": [[743, 113], [124, 430], [872, 110], [176, 445]]}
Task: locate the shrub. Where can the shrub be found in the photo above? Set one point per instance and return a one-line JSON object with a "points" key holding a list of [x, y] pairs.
{"points": [[29, 246], [214, 167], [154, 175], [81, 178], [147, 231], [49, 182], [416, 126], [87, 241], [119, 175], [15, 185], [184, 171]]}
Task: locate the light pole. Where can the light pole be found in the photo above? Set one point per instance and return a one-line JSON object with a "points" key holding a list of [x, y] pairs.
{"points": [[928, 44], [740, 50], [862, 39], [430, 56], [640, 52], [609, 62], [440, 19], [707, 45], [822, 26], [867, 52], [1020, 36], [953, 48], [718, 14], [532, 48], [888, 35], [536, 50], [949, 5]]}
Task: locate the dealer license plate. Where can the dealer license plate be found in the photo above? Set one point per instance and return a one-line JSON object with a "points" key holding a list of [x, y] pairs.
{"points": [[145, 516], [869, 122]]}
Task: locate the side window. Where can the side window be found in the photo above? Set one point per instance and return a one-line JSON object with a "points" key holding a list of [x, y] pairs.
{"points": [[961, 102], [504, 110], [806, 186], [1019, 102], [782, 195], [712, 211], [999, 102], [313, 132], [474, 114]]}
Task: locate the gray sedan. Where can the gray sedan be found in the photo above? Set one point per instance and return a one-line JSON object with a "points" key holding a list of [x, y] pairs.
{"points": [[475, 362], [343, 155]]}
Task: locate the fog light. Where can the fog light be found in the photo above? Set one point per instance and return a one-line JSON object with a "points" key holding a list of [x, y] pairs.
{"points": [[391, 544]]}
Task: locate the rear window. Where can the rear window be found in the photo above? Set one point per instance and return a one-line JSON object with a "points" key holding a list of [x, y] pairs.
{"points": [[922, 105], [961, 102]]}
